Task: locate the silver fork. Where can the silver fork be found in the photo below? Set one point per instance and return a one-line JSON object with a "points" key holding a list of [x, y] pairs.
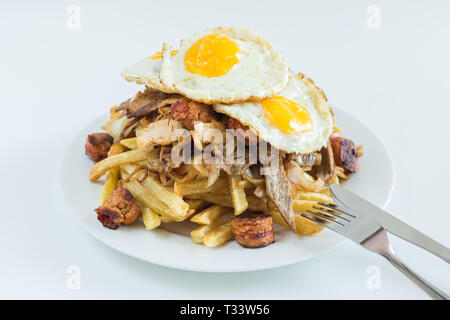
{"points": [[364, 230]]}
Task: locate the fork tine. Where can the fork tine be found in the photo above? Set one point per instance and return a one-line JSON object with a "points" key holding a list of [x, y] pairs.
{"points": [[332, 212], [324, 223], [325, 217], [313, 218], [336, 207], [324, 209]]}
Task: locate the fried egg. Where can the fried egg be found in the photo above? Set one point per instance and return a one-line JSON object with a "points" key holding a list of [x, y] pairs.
{"points": [[147, 72], [298, 119], [224, 65]]}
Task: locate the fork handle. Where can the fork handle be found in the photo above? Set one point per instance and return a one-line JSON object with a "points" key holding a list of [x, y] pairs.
{"points": [[427, 287]]}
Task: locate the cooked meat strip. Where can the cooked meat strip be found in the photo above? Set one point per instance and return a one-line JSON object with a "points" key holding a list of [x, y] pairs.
{"points": [[277, 189], [97, 145], [119, 208], [345, 154], [325, 171], [305, 160], [165, 157], [250, 137], [252, 230], [161, 132], [189, 112], [142, 100], [158, 104]]}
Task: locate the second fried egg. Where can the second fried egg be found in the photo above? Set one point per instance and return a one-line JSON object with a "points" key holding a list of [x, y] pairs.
{"points": [[297, 120]]}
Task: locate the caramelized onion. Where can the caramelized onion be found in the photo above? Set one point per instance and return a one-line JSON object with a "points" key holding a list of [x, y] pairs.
{"points": [[252, 175], [183, 174], [297, 176]]}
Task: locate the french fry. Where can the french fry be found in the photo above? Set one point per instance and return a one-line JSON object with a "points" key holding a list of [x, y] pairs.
{"points": [[172, 200], [112, 175], [116, 148], [180, 209], [218, 236], [110, 184], [237, 193], [165, 219], [304, 226], [313, 196], [200, 233], [254, 203], [114, 115], [151, 219], [210, 215], [123, 173], [198, 186], [304, 205], [196, 204], [325, 190], [147, 199], [130, 143], [101, 167]]}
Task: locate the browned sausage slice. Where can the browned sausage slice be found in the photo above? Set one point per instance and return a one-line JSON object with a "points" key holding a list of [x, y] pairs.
{"points": [[119, 208], [97, 146], [189, 112], [252, 230], [345, 154]]}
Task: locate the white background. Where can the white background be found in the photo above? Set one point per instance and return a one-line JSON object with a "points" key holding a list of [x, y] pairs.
{"points": [[395, 80]]}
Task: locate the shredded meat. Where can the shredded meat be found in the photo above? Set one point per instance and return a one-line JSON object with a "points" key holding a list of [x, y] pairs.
{"points": [[97, 145], [305, 160], [119, 208], [189, 112], [165, 158], [142, 100], [325, 171], [345, 154], [161, 132]]}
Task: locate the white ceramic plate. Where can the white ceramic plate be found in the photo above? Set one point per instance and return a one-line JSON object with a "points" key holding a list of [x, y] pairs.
{"points": [[175, 249]]}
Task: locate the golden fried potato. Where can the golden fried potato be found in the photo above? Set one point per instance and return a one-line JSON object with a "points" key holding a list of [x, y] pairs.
{"points": [[210, 215], [110, 185], [101, 167], [151, 219], [237, 193]]}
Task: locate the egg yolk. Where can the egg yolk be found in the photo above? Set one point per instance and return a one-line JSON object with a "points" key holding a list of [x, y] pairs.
{"points": [[212, 56], [287, 115], [158, 55]]}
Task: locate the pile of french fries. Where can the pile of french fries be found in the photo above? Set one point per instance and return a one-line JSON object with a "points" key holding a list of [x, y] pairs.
{"points": [[211, 207]]}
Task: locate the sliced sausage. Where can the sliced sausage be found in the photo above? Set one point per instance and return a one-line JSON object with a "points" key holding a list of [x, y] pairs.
{"points": [[97, 145], [119, 208], [252, 230], [345, 154], [189, 112]]}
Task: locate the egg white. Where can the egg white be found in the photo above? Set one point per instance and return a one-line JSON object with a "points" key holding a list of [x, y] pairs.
{"points": [[261, 71], [302, 91], [147, 72]]}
